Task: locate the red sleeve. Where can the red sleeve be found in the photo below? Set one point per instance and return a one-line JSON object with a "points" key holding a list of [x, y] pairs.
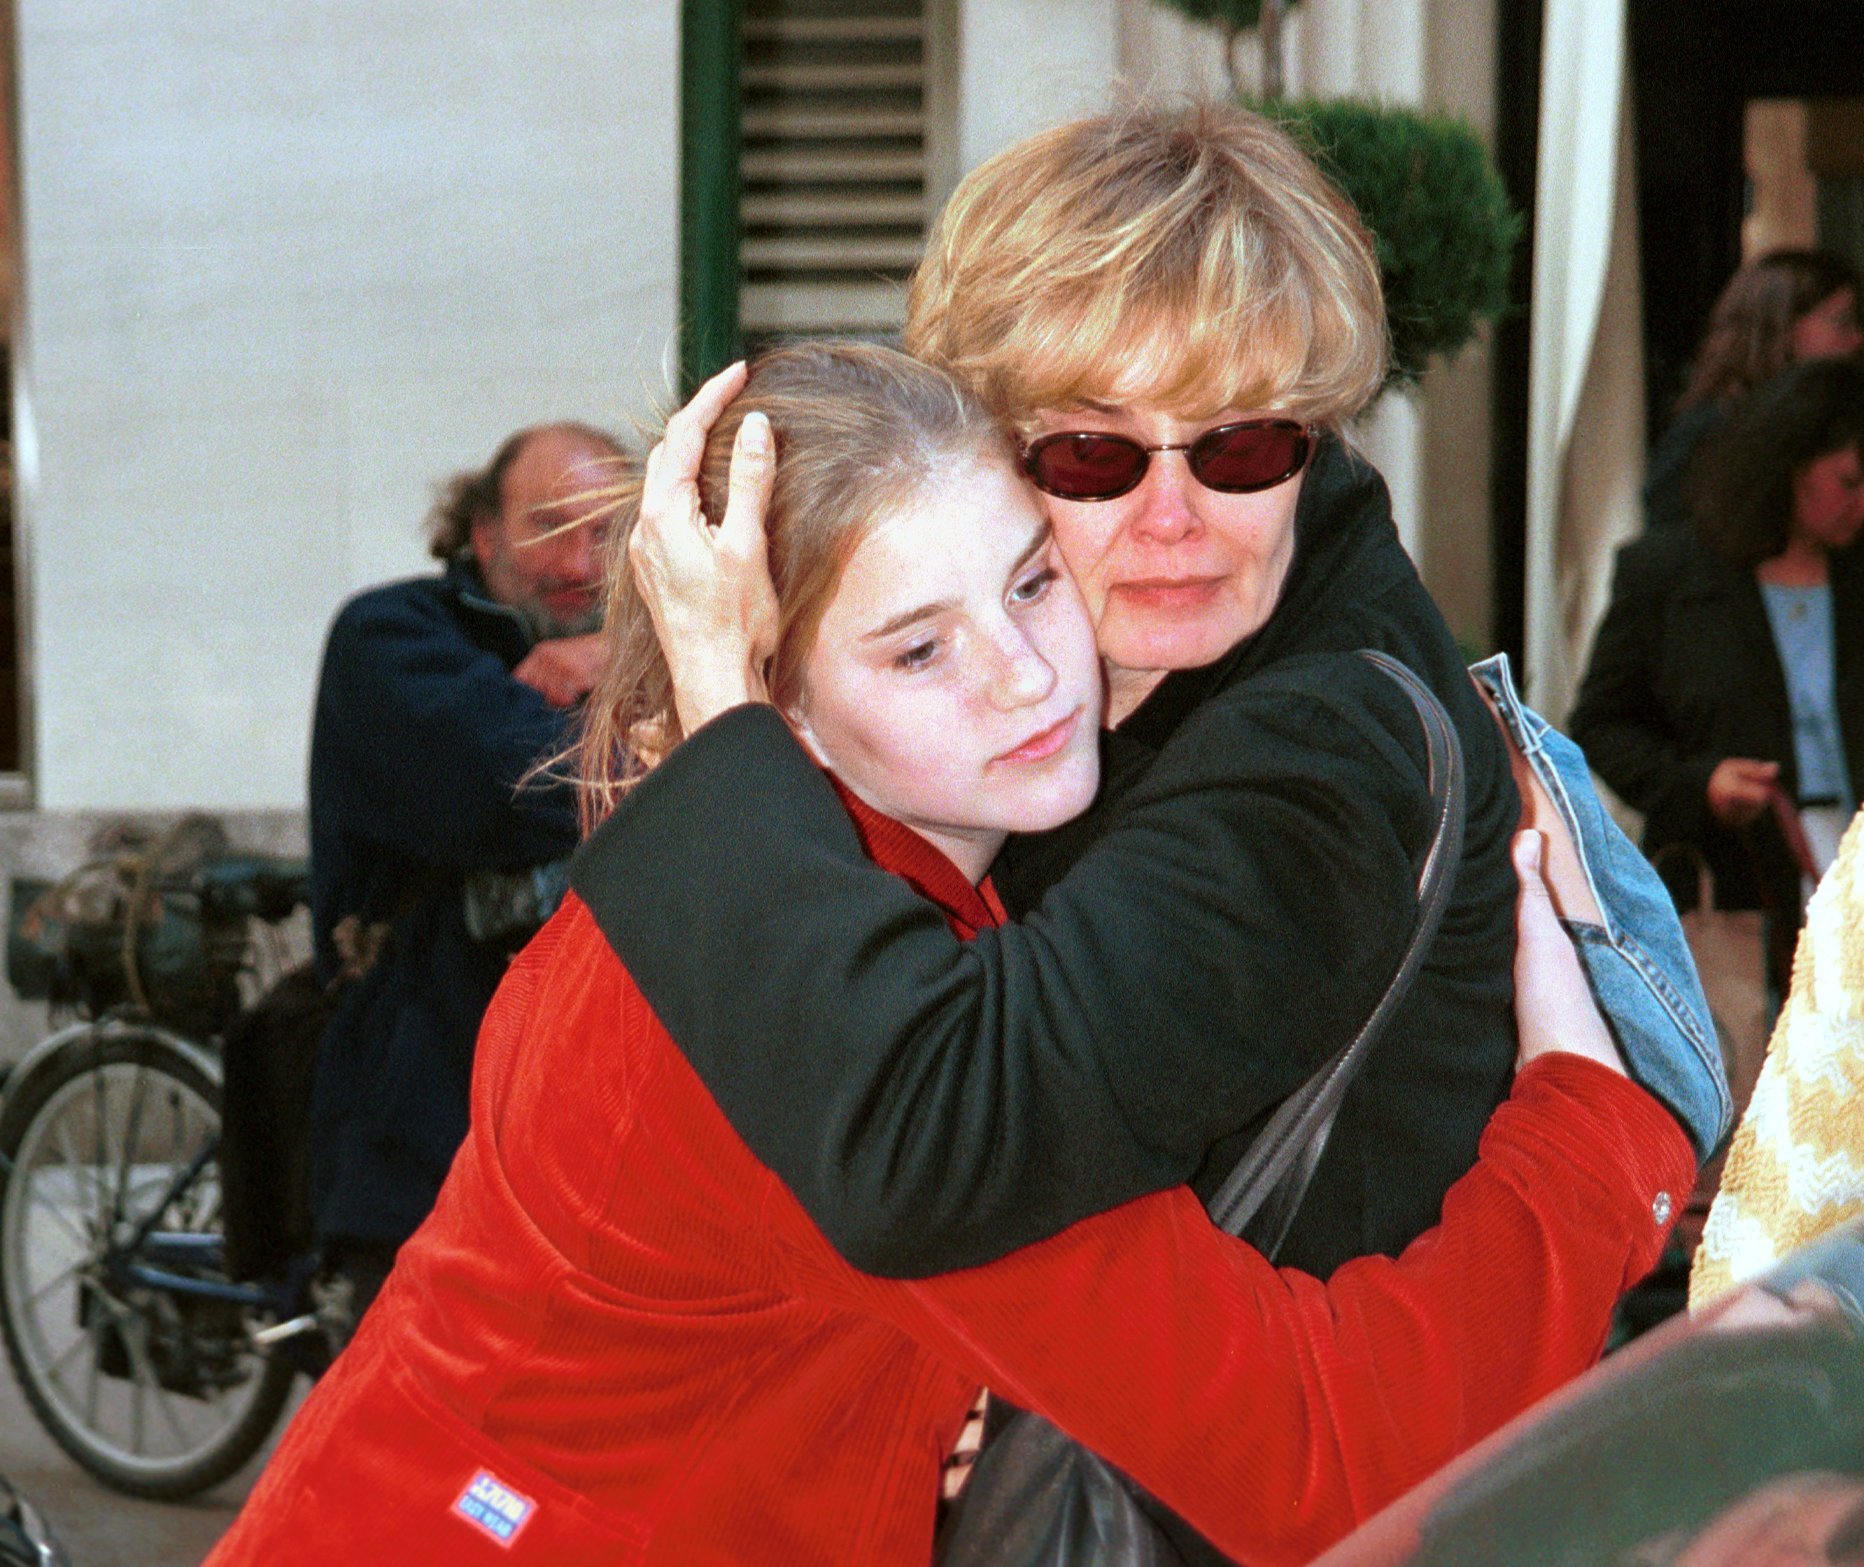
{"points": [[1276, 1412]]}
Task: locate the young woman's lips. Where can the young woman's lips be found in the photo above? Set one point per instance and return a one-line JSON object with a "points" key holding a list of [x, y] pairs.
{"points": [[1040, 747]]}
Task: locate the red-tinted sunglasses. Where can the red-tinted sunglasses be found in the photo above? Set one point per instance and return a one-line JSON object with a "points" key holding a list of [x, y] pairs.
{"points": [[1091, 465]]}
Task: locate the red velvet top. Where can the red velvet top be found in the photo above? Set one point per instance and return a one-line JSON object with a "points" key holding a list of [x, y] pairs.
{"points": [[620, 1339]]}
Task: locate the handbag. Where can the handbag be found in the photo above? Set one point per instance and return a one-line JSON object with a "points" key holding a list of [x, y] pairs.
{"points": [[1036, 1497], [131, 928]]}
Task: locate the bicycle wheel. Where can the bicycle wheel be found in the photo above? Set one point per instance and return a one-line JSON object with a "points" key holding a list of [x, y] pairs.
{"points": [[157, 1392]]}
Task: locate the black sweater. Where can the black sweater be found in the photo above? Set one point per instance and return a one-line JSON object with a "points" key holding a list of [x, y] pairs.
{"points": [[1684, 673], [1188, 951]]}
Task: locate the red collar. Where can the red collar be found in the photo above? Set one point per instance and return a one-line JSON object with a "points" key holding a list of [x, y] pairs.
{"points": [[895, 847]]}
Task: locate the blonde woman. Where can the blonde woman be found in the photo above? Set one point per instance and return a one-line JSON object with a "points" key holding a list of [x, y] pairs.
{"points": [[1173, 313], [619, 1339]]}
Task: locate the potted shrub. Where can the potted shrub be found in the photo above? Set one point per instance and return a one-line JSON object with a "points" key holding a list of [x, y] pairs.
{"points": [[1233, 18], [1437, 209]]}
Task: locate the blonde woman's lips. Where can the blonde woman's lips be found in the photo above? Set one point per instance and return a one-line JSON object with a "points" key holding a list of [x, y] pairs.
{"points": [[1171, 592], [1041, 746]]}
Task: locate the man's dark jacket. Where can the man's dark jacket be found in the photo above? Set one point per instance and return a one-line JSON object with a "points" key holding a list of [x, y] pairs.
{"points": [[420, 739], [1188, 952], [1685, 673]]}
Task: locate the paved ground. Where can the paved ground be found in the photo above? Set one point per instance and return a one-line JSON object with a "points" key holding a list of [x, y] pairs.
{"points": [[100, 1528]]}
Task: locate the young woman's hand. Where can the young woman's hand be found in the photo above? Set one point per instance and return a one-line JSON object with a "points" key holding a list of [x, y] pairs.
{"points": [[1554, 1006], [708, 587]]}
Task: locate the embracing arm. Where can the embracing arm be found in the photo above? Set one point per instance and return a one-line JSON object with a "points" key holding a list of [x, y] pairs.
{"points": [[1275, 1412], [933, 1102]]}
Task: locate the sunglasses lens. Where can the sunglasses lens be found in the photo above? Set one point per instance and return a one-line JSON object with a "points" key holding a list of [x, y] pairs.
{"points": [[1239, 458], [1086, 467]]}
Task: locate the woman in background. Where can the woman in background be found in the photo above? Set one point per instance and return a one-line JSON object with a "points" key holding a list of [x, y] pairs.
{"points": [[1730, 663], [1783, 308]]}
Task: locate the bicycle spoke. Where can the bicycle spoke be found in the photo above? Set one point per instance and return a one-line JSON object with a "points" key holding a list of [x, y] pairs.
{"points": [[90, 1182], [132, 1133], [39, 1199], [100, 1104], [61, 1277], [138, 1404], [149, 1385], [63, 1357], [93, 1379]]}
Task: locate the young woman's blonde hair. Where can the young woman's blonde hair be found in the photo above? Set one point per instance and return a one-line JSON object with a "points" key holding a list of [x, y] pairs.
{"points": [[859, 431], [1191, 256]]}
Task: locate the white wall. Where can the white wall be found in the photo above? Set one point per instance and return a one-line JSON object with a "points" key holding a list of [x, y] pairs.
{"points": [[1028, 64], [285, 267]]}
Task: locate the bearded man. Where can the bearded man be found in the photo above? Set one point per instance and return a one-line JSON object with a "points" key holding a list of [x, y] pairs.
{"points": [[438, 697]]}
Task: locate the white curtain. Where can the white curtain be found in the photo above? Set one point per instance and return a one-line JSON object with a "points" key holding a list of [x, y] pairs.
{"points": [[1586, 369]]}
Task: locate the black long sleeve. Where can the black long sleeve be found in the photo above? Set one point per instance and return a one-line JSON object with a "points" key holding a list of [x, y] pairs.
{"points": [[936, 1103], [1657, 761]]}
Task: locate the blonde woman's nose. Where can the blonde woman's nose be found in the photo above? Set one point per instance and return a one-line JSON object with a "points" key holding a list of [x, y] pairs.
{"points": [[1166, 513]]}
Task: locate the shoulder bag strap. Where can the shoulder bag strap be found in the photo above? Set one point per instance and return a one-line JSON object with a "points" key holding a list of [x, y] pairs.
{"points": [[1786, 813], [1260, 1196]]}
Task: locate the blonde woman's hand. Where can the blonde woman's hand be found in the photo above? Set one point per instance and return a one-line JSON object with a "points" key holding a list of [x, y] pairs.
{"points": [[708, 588], [1554, 1007]]}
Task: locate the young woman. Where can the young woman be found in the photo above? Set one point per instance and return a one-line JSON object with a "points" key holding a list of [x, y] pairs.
{"points": [[620, 1339], [1731, 658]]}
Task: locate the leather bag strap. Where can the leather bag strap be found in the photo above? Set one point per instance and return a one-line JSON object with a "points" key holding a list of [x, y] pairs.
{"points": [[1786, 813], [1259, 1198]]}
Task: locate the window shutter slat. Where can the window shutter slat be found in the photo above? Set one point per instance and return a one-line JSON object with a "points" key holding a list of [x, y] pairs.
{"points": [[833, 165]]}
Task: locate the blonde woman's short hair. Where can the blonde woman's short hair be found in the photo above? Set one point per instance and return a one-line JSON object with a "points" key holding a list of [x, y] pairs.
{"points": [[1191, 256]]}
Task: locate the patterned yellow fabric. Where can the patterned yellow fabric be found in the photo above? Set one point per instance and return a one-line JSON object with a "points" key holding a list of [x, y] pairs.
{"points": [[1796, 1167]]}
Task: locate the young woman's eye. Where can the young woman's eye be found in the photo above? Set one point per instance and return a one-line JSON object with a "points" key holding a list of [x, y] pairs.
{"points": [[918, 656], [1033, 586]]}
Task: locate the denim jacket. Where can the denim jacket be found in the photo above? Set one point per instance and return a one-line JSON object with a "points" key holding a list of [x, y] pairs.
{"points": [[1637, 961]]}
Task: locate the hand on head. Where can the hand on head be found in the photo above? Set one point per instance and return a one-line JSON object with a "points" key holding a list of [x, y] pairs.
{"points": [[708, 588]]}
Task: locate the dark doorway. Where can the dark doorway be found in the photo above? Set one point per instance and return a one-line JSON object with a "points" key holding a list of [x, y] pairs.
{"points": [[1696, 66]]}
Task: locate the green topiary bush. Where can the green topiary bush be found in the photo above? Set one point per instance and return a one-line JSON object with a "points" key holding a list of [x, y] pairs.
{"points": [[1237, 16], [1427, 189], [1232, 19]]}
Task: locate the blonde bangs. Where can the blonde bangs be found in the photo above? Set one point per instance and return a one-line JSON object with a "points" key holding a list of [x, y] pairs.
{"points": [[1194, 259]]}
